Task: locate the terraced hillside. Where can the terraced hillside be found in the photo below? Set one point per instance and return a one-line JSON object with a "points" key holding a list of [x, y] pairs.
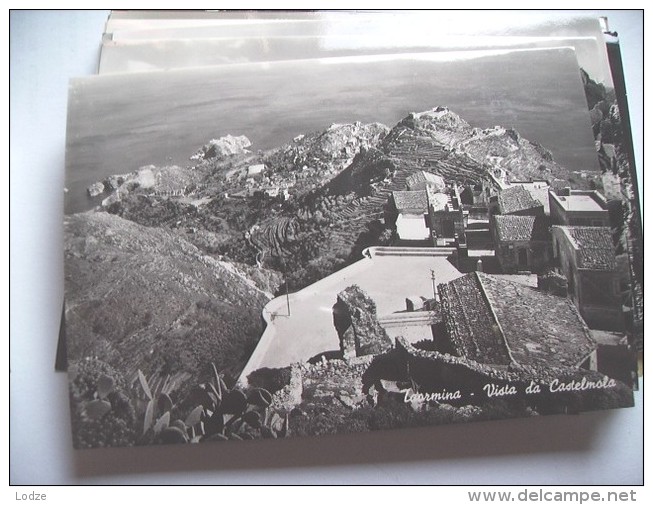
{"points": [[336, 221], [337, 183], [440, 142], [269, 237]]}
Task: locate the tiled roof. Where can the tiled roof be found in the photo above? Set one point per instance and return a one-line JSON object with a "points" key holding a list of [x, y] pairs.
{"points": [[516, 199], [421, 180], [495, 321], [411, 200], [522, 228], [594, 246], [470, 323]]}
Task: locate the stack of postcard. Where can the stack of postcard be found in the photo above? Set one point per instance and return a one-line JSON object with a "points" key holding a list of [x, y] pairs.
{"points": [[307, 223]]}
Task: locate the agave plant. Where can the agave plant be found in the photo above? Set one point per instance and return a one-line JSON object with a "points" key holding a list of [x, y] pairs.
{"points": [[218, 413], [157, 404]]}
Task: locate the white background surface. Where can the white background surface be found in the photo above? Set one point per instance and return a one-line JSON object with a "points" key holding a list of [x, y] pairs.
{"points": [[47, 48]]}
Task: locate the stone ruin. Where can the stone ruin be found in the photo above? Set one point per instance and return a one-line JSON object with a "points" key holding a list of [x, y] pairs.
{"points": [[376, 371], [359, 331]]}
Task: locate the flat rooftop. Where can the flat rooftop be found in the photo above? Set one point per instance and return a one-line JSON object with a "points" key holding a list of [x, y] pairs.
{"points": [[581, 203], [388, 278]]}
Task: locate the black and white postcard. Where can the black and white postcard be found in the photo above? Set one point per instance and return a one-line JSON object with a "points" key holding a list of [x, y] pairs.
{"points": [[321, 246], [160, 42]]}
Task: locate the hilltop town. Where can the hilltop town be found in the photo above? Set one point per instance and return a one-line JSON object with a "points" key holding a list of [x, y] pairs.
{"points": [[526, 292], [364, 276]]}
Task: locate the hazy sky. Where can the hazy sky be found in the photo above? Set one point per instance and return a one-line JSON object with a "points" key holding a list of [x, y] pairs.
{"points": [[121, 122]]}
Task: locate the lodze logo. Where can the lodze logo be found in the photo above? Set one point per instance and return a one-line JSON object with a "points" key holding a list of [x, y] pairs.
{"points": [[30, 497]]}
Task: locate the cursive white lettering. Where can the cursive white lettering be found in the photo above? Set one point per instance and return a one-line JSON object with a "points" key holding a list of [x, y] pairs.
{"points": [[410, 396], [496, 390], [556, 386]]}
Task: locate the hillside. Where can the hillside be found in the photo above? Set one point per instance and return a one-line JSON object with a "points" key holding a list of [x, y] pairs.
{"points": [[309, 207], [142, 297], [441, 142], [319, 156]]}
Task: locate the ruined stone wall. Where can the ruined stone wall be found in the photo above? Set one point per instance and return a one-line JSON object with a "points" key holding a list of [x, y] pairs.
{"points": [[290, 395], [336, 381], [354, 316], [432, 368]]}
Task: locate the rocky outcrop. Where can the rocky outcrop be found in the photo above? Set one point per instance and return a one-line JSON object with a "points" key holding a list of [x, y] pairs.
{"points": [[354, 316], [594, 92], [324, 154], [228, 145], [95, 189], [113, 182], [150, 180], [109, 185], [615, 155], [440, 142]]}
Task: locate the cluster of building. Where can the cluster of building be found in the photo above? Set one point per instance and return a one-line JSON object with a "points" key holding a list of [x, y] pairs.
{"points": [[487, 324], [429, 212], [572, 234], [533, 228], [260, 185]]}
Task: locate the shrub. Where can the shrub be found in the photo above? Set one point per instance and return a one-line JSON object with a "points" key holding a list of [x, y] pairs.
{"points": [[272, 379], [101, 412]]}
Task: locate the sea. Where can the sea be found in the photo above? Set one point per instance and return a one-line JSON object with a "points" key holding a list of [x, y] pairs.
{"points": [[119, 123]]}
